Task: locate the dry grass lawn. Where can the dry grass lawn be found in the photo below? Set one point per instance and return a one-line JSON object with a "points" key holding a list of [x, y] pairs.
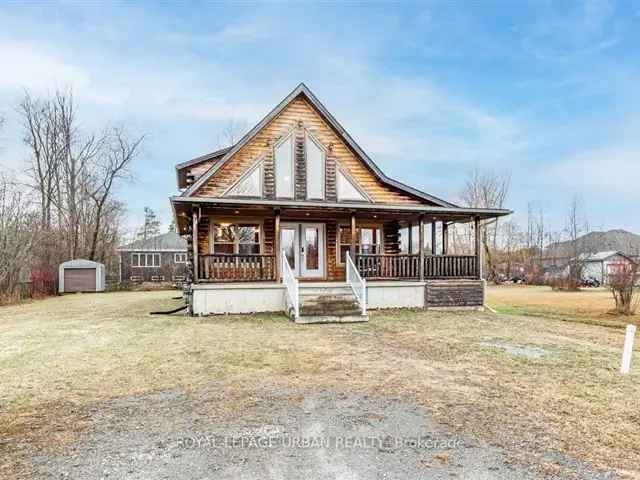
{"points": [[594, 305], [59, 356]]}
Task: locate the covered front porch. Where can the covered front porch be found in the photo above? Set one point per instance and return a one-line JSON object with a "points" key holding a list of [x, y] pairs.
{"points": [[332, 259], [246, 243]]}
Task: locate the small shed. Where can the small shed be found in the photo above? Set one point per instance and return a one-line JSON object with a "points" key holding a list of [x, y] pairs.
{"points": [[81, 276]]}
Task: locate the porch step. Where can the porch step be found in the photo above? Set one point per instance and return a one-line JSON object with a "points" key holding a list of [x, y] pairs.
{"points": [[322, 290], [329, 303]]}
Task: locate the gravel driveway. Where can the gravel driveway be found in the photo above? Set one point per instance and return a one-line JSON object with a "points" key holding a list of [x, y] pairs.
{"points": [[285, 434]]}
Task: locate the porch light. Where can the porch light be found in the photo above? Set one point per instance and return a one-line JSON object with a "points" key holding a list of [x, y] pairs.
{"points": [[237, 211]]}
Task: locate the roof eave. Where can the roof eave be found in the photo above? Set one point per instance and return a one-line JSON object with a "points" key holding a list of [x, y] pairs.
{"points": [[484, 212]]}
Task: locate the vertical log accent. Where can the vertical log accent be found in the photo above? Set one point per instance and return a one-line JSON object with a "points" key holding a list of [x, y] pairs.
{"points": [[433, 238], [478, 249], [194, 229], [391, 232], [353, 237], [269, 187], [421, 246], [300, 165], [276, 243], [330, 194], [445, 238]]}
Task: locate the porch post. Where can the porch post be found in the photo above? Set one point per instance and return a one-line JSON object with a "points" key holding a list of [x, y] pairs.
{"points": [[421, 246], [476, 227], [445, 238], [276, 245], [353, 237], [194, 233], [410, 246], [433, 237]]}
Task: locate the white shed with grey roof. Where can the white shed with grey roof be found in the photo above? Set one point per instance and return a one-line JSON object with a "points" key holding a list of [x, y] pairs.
{"points": [[81, 276]]}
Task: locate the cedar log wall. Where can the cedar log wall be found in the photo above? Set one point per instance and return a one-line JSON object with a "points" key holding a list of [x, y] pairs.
{"points": [[296, 117]]}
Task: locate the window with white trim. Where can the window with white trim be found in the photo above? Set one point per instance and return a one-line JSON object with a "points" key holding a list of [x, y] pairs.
{"points": [[145, 260], [250, 185], [179, 258], [315, 168], [284, 168], [241, 238], [368, 240], [346, 189]]}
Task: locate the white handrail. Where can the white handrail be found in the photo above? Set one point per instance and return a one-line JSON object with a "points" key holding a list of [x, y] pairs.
{"points": [[291, 283], [357, 284]]}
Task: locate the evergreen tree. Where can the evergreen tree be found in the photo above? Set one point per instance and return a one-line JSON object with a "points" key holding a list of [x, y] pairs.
{"points": [[151, 226]]}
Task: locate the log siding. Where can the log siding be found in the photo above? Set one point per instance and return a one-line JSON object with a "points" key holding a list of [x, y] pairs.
{"points": [[301, 112]]}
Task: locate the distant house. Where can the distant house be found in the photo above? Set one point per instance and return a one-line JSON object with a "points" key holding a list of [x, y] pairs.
{"points": [[158, 259], [602, 264]]}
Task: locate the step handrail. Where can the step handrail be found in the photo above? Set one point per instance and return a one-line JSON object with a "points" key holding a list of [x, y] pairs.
{"points": [[357, 284], [291, 283]]}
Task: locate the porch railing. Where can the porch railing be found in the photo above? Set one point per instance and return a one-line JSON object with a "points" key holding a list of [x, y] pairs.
{"points": [[237, 267], [450, 266], [357, 284], [388, 266], [402, 266], [291, 283]]}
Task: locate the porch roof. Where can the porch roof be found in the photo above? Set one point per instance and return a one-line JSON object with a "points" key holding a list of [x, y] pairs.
{"points": [[182, 206]]}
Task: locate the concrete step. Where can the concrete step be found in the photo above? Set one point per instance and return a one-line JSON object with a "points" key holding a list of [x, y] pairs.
{"points": [[337, 290], [336, 312], [332, 318], [330, 306], [337, 297]]}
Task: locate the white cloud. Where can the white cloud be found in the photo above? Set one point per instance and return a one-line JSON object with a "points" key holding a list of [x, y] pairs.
{"points": [[29, 66], [613, 171]]}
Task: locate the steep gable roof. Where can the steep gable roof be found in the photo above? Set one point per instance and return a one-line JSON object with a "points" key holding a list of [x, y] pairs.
{"points": [[302, 89]]}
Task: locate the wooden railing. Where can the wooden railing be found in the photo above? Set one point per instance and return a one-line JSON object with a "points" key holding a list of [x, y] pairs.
{"points": [[407, 267], [389, 266], [236, 268], [450, 266]]}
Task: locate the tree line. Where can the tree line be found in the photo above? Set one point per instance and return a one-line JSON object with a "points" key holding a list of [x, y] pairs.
{"points": [[64, 207]]}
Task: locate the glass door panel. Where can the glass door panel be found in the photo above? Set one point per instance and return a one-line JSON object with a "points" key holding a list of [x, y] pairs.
{"points": [[312, 250], [289, 243]]}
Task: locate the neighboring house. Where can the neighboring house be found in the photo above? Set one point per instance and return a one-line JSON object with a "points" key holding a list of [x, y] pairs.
{"points": [[296, 217], [602, 264], [158, 259]]}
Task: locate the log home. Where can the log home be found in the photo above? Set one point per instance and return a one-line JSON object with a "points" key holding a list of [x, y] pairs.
{"points": [[296, 217]]}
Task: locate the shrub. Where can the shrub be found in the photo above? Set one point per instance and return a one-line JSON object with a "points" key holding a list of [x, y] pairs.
{"points": [[622, 285]]}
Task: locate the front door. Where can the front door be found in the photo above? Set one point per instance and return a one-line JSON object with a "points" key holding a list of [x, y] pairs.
{"points": [[304, 247]]}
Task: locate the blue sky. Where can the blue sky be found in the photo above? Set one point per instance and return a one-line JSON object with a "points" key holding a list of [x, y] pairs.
{"points": [[545, 90]]}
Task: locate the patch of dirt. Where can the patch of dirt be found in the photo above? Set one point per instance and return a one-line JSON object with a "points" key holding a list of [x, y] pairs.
{"points": [[279, 433], [517, 350]]}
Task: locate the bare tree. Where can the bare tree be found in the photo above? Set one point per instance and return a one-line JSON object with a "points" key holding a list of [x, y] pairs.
{"points": [[232, 132], [113, 165], [576, 227], [18, 233], [487, 189]]}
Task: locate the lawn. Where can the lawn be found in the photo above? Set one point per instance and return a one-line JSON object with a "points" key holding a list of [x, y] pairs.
{"points": [[592, 305], [533, 385]]}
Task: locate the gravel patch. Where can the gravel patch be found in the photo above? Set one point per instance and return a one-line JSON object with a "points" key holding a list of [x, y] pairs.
{"points": [[285, 433]]}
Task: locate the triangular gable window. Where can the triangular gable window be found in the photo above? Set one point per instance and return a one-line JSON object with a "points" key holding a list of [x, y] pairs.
{"points": [[249, 185], [347, 190]]}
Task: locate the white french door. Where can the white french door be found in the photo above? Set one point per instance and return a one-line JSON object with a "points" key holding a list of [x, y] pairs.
{"points": [[304, 247]]}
